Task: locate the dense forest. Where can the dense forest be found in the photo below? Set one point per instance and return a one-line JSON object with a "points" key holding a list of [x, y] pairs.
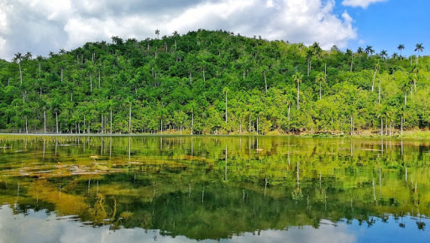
{"points": [[215, 82]]}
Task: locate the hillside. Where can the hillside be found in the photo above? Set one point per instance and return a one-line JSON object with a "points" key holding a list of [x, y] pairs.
{"points": [[208, 82]]}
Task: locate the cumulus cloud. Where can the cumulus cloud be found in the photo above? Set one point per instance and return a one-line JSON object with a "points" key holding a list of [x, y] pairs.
{"points": [[42, 26], [360, 3]]}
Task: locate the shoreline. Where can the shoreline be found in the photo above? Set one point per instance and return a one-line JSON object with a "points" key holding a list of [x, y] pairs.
{"points": [[363, 134]]}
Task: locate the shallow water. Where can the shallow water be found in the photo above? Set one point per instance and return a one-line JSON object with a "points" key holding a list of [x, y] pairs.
{"points": [[229, 189]]}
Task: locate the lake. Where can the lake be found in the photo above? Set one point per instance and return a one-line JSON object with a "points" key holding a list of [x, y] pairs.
{"points": [[213, 189]]}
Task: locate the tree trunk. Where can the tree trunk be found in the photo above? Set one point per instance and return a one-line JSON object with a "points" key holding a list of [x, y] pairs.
{"points": [[20, 71], [352, 127], [406, 95], [257, 125], [265, 81], [84, 124], [204, 76], [379, 95], [129, 120], [192, 123], [44, 120], [56, 122], [91, 83], [289, 109], [111, 121], [99, 79], [298, 95], [102, 123], [26, 124], [401, 125], [382, 127], [225, 107], [373, 82], [352, 62], [308, 67], [161, 126], [320, 90]]}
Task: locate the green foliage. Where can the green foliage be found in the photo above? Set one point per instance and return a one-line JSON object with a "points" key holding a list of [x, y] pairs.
{"points": [[179, 83]]}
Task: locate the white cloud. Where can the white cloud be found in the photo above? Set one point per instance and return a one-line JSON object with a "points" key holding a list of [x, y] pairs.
{"points": [[42, 26], [360, 3]]}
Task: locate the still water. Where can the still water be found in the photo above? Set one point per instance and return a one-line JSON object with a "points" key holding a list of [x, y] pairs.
{"points": [[213, 189]]}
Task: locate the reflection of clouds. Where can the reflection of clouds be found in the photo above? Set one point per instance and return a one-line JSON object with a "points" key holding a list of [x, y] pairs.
{"points": [[327, 233], [38, 227]]}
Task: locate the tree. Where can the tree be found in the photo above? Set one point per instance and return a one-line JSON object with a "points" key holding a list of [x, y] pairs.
{"points": [[384, 54], [350, 54], [225, 91], [17, 59], [297, 77], [320, 79], [401, 47], [360, 50], [369, 50], [374, 75], [419, 48], [309, 55], [157, 32]]}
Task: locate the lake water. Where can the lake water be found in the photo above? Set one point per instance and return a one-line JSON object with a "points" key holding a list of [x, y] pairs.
{"points": [[213, 189]]}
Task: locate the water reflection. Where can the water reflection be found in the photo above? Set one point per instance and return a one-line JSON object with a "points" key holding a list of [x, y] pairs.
{"points": [[243, 189]]}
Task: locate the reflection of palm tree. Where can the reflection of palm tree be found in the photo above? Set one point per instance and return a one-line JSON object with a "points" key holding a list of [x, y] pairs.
{"points": [[297, 195]]}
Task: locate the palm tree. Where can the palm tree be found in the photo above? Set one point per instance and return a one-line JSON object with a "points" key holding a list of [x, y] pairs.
{"points": [[374, 75], [400, 48], [360, 50], [415, 71], [309, 55], [419, 48], [349, 53], [297, 77], [28, 56], [18, 57], [129, 102], [368, 50], [225, 90], [320, 79], [157, 32], [39, 60], [384, 54]]}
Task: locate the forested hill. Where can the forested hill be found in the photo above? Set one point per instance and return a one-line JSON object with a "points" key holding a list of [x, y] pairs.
{"points": [[208, 82]]}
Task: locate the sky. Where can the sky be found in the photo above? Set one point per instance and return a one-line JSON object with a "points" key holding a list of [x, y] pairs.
{"points": [[42, 26]]}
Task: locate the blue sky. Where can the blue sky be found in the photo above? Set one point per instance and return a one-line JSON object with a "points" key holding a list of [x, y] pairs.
{"points": [[40, 26], [385, 25]]}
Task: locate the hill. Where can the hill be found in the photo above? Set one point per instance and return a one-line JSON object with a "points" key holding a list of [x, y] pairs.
{"points": [[207, 82]]}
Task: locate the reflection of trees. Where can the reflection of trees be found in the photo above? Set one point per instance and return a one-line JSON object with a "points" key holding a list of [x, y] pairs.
{"points": [[183, 189]]}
